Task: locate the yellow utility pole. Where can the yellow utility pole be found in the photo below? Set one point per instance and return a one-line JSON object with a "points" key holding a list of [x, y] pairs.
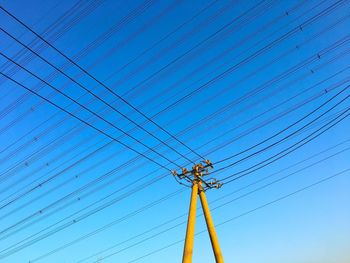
{"points": [[195, 178], [211, 229], [189, 241]]}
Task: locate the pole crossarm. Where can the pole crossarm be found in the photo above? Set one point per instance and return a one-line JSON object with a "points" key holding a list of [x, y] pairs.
{"points": [[198, 172], [195, 179]]}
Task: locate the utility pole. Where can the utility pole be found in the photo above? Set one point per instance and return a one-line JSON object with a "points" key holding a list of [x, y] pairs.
{"points": [[195, 178]]}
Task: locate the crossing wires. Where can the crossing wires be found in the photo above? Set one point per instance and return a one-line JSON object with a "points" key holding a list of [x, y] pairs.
{"points": [[100, 83]]}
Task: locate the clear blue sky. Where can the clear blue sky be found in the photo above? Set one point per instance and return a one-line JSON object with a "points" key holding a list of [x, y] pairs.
{"points": [[155, 53]]}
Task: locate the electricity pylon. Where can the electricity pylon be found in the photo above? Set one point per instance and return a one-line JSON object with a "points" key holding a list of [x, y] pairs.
{"points": [[199, 186]]}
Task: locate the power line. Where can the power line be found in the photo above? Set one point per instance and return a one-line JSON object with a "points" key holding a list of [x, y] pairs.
{"points": [[304, 141], [255, 54], [255, 12], [278, 78], [87, 90], [61, 25], [286, 129], [275, 107], [75, 14], [93, 45], [83, 121], [73, 220], [118, 26], [292, 134], [220, 224], [99, 82], [93, 94], [225, 143], [223, 197], [317, 56], [246, 213], [43, 236], [42, 210], [92, 212], [137, 57], [197, 14]]}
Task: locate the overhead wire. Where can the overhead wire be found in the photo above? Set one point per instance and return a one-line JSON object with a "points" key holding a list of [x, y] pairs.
{"points": [[114, 28], [136, 58], [172, 32], [279, 77], [88, 235], [94, 78], [252, 12], [49, 28], [137, 11], [63, 24], [196, 124], [272, 94], [59, 26], [252, 93], [243, 214], [97, 42], [255, 54], [284, 129], [308, 100], [90, 92], [287, 128], [74, 221], [237, 26], [296, 146], [91, 183], [43, 210], [83, 121]]}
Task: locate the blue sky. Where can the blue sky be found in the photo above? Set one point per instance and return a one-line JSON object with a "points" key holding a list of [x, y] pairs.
{"points": [[165, 58]]}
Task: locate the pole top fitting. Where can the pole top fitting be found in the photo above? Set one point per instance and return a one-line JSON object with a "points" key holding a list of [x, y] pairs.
{"points": [[197, 174]]}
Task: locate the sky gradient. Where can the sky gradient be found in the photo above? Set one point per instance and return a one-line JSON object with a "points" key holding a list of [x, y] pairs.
{"points": [[221, 76]]}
